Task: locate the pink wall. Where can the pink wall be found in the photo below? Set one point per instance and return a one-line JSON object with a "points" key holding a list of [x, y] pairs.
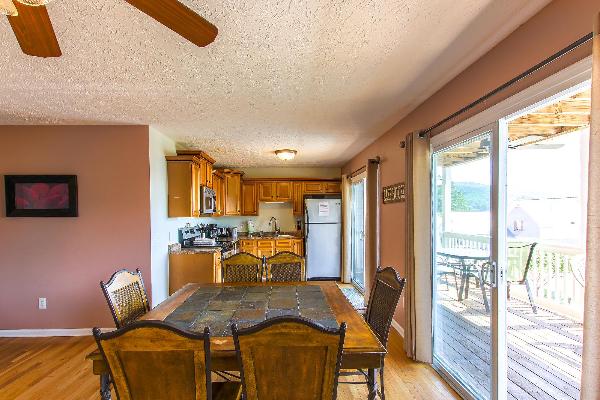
{"points": [[553, 28], [63, 259]]}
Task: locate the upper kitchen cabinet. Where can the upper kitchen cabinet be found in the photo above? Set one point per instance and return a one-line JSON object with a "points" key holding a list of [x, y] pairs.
{"points": [[313, 187], [219, 188], [275, 191], [298, 198], [322, 187], [233, 190], [187, 172], [249, 198], [332, 187], [184, 179], [205, 163]]}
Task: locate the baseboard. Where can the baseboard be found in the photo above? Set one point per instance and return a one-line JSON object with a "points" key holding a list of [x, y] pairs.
{"points": [[48, 332], [398, 328]]}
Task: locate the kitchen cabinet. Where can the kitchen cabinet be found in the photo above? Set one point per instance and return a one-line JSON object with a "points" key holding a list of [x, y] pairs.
{"points": [[265, 248], [298, 192], [282, 245], [266, 191], [183, 187], [248, 246], [332, 187], [275, 191], [283, 191], [298, 247], [249, 198], [322, 187], [199, 267], [209, 175], [233, 191], [218, 187], [187, 171], [315, 187]]}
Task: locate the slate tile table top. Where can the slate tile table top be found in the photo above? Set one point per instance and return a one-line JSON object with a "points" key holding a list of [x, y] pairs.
{"points": [[220, 307], [361, 347]]}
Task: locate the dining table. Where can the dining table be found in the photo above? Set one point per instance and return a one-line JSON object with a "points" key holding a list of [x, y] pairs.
{"points": [[218, 305], [471, 262]]}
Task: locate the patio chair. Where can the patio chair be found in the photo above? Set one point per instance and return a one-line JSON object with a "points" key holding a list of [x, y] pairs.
{"points": [[524, 279]]}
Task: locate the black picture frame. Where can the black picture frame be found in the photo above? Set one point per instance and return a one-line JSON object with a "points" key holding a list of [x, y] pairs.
{"points": [[10, 182]]}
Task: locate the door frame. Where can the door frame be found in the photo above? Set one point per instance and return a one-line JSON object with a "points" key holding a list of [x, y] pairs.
{"points": [[353, 180], [549, 89], [498, 350]]}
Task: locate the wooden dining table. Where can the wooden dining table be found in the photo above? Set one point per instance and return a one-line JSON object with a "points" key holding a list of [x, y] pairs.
{"points": [[362, 349]]}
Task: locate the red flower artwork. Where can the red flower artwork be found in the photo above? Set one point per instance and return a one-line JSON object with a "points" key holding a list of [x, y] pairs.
{"points": [[41, 196]]}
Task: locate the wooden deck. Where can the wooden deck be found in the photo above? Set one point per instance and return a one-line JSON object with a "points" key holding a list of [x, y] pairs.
{"points": [[544, 349]]}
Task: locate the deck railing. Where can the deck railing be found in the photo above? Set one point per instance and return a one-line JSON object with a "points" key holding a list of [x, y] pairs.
{"points": [[556, 274]]}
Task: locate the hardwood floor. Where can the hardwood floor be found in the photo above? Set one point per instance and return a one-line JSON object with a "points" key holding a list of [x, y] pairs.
{"points": [[55, 368]]}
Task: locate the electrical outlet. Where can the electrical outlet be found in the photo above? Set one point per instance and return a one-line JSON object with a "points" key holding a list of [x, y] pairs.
{"points": [[42, 303]]}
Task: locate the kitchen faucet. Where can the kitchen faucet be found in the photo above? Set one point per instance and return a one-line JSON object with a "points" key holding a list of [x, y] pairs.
{"points": [[272, 221]]}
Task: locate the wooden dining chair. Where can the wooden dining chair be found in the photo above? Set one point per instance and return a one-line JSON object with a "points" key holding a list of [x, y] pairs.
{"points": [[126, 296], [242, 267], [289, 358], [285, 267], [153, 360], [383, 300]]}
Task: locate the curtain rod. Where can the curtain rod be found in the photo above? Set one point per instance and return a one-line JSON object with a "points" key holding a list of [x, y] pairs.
{"points": [[362, 169], [508, 84]]}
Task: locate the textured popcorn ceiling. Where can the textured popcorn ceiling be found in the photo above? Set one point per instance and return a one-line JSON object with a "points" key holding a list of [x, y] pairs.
{"points": [[323, 77]]}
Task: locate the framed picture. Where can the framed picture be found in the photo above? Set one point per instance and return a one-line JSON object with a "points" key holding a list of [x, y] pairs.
{"points": [[41, 195]]}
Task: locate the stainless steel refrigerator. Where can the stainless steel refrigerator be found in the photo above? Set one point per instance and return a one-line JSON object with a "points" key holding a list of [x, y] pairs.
{"points": [[323, 226]]}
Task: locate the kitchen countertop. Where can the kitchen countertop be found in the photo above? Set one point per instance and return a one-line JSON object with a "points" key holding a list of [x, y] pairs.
{"points": [[177, 249], [271, 235]]}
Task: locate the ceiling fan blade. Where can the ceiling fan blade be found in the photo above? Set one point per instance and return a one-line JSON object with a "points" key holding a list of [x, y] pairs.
{"points": [[179, 18], [34, 31]]}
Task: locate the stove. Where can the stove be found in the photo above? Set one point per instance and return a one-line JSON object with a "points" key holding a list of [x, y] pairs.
{"points": [[207, 236]]}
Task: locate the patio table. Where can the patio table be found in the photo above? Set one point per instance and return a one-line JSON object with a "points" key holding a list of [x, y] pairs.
{"points": [[187, 308], [468, 259]]}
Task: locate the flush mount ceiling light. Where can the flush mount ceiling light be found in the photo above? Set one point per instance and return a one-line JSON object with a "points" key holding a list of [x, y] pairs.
{"points": [[34, 2], [8, 8], [286, 154]]}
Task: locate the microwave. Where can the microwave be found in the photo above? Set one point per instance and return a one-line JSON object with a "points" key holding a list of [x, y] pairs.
{"points": [[208, 200]]}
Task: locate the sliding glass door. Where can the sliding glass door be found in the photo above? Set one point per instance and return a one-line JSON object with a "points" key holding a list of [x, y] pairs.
{"points": [[358, 232], [468, 304]]}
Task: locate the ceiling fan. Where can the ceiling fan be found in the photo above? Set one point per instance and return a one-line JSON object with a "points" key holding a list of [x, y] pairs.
{"points": [[32, 27]]}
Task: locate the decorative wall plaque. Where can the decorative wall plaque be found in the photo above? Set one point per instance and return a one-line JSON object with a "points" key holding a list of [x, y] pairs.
{"points": [[394, 193]]}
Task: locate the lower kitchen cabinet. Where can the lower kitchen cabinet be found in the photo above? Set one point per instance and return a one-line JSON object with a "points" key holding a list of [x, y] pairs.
{"points": [[265, 248], [269, 247], [248, 246], [187, 268]]}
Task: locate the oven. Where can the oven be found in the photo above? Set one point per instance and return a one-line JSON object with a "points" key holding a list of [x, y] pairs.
{"points": [[208, 200]]}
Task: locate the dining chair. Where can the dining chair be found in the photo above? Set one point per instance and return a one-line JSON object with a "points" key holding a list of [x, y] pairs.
{"points": [[126, 296], [383, 300], [529, 249], [285, 267], [153, 360], [289, 358], [242, 267]]}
